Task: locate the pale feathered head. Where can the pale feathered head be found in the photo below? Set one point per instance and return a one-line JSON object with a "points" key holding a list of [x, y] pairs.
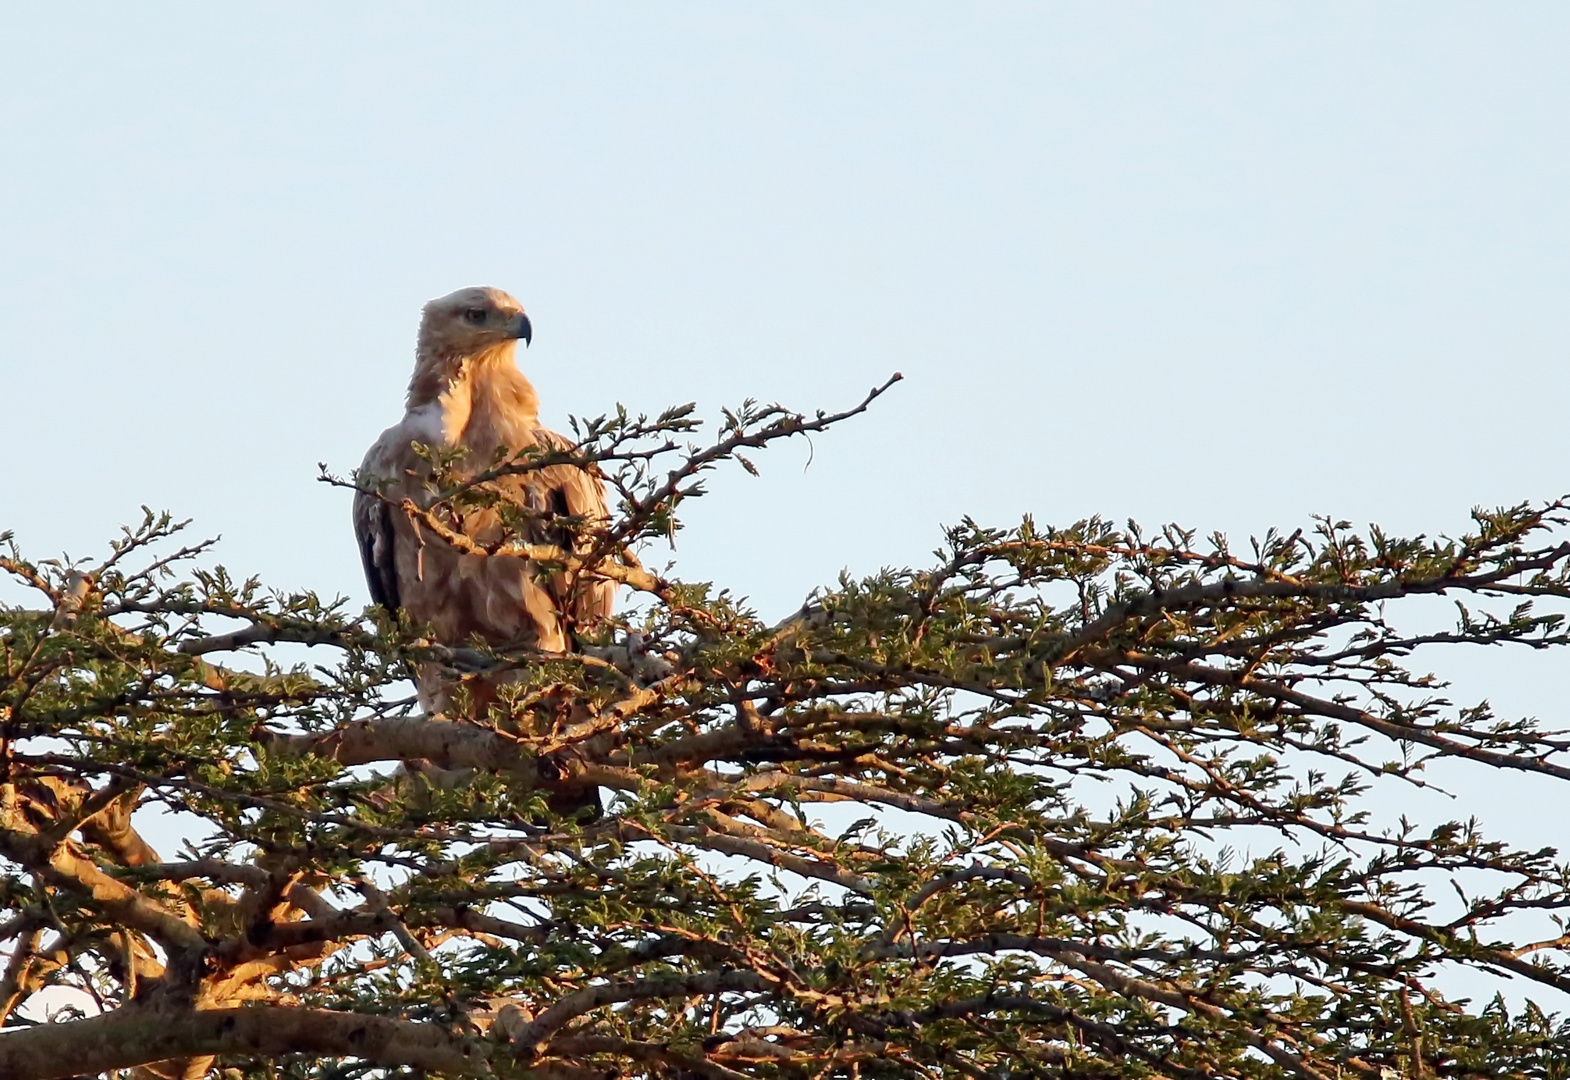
{"points": [[471, 321]]}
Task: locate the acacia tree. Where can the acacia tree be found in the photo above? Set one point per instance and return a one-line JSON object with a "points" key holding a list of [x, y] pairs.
{"points": [[1078, 802]]}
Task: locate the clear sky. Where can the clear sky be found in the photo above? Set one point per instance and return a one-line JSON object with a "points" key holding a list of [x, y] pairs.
{"points": [[1230, 264]]}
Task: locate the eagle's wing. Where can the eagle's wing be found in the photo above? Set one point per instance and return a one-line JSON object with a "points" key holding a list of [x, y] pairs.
{"points": [[388, 547], [373, 528]]}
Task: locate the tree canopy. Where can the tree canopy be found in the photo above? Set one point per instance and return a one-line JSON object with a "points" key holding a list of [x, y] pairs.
{"points": [[1074, 802]]}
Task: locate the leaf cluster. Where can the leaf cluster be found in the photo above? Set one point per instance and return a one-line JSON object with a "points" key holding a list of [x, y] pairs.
{"points": [[1079, 802]]}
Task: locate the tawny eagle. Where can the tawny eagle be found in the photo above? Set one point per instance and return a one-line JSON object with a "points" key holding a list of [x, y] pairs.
{"points": [[467, 393]]}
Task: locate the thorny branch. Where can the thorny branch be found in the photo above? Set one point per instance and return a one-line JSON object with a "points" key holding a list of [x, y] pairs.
{"points": [[856, 842]]}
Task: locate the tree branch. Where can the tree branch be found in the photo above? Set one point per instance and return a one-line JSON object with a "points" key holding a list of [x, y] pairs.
{"points": [[138, 1035]]}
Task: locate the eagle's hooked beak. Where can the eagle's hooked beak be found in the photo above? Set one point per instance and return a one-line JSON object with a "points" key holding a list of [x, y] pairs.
{"points": [[524, 330]]}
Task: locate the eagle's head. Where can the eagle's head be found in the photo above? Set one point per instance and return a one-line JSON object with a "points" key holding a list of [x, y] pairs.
{"points": [[472, 320]]}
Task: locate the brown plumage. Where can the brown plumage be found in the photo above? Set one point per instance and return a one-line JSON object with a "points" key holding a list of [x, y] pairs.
{"points": [[468, 393]]}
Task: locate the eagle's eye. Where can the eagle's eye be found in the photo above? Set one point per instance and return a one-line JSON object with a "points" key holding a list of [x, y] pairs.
{"points": [[474, 316]]}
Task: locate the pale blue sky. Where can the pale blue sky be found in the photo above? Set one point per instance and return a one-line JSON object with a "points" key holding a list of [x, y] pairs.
{"points": [[1231, 264], [1228, 264]]}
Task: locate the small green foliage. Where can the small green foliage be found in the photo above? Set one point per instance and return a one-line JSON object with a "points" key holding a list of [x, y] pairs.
{"points": [[1080, 802]]}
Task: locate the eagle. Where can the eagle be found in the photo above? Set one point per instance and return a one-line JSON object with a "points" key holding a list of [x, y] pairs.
{"points": [[468, 395]]}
